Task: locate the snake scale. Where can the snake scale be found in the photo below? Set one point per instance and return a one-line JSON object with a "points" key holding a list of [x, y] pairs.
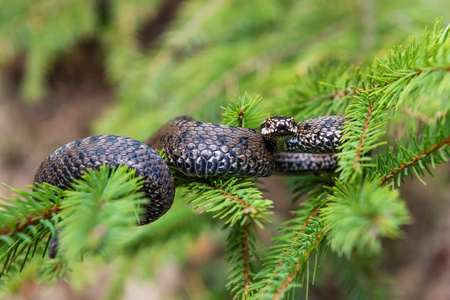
{"points": [[200, 149]]}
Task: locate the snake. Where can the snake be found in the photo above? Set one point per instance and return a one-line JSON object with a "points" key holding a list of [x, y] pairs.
{"points": [[306, 147], [70, 162], [198, 149]]}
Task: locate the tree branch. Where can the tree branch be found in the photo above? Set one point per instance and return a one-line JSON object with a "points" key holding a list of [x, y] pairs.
{"points": [[361, 141], [415, 159], [248, 209], [297, 266], [246, 259], [31, 221]]}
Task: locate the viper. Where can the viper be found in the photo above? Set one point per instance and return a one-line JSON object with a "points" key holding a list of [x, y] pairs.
{"points": [[201, 150]]}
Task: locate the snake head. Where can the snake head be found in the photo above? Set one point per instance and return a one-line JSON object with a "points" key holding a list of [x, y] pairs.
{"points": [[279, 126]]}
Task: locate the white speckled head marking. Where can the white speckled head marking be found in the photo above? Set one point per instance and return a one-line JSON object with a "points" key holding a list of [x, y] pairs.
{"points": [[277, 130], [279, 126]]}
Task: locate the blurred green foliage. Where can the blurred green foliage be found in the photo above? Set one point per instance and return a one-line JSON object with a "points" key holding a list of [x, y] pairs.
{"points": [[205, 53]]}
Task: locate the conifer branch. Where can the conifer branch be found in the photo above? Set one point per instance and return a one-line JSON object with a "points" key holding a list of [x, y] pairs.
{"points": [[359, 149], [361, 133], [247, 111], [415, 160], [240, 204], [293, 274], [358, 215], [287, 262], [32, 220], [242, 256], [236, 200], [245, 259], [26, 219], [34, 214], [416, 153], [99, 213]]}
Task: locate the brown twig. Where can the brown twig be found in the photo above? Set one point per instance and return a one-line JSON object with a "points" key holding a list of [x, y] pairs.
{"points": [[30, 221], [294, 274], [297, 266], [415, 159], [241, 114], [248, 209], [246, 262], [363, 137]]}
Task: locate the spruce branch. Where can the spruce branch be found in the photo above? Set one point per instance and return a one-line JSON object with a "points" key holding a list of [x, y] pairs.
{"points": [[100, 211], [85, 212], [416, 71], [358, 215], [292, 276], [236, 200], [177, 225], [246, 111], [417, 75], [325, 90], [239, 202], [287, 264], [243, 242], [29, 208], [242, 255], [361, 133], [26, 219], [416, 159], [416, 153]]}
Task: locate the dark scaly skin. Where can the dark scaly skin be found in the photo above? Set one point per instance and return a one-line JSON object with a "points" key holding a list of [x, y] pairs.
{"points": [[318, 135], [53, 246], [155, 141], [70, 161], [303, 163], [207, 149]]}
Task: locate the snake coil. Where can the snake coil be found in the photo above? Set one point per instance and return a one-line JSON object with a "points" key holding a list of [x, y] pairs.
{"points": [[70, 161], [200, 149]]}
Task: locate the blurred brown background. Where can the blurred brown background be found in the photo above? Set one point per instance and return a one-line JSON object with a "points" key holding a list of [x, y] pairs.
{"points": [[84, 94]]}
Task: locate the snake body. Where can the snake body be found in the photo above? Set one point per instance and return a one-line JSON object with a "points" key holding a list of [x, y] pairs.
{"points": [[201, 150], [70, 161], [305, 147], [318, 135], [206, 149], [303, 163]]}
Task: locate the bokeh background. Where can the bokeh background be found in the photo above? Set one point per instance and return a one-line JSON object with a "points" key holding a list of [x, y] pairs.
{"points": [[70, 69]]}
